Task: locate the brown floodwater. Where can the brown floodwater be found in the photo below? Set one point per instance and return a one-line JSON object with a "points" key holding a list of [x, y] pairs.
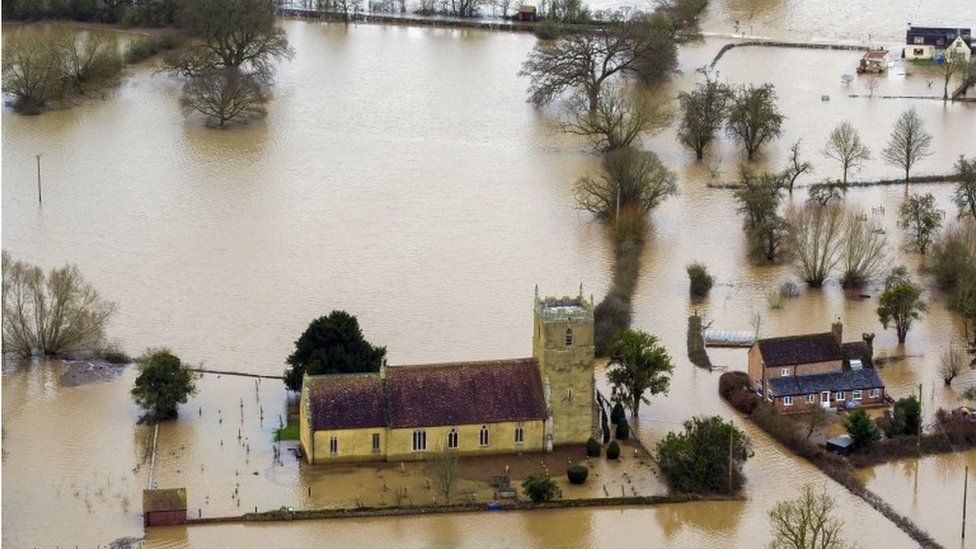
{"points": [[401, 176]]}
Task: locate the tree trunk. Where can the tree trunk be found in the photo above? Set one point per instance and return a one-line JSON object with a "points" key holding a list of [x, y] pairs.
{"points": [[636, 406]]}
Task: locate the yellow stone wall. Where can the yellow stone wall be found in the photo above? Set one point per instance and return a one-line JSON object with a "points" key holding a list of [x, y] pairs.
{"points": [[501, 440], [304, 427], [354, 445], [569, 371]]}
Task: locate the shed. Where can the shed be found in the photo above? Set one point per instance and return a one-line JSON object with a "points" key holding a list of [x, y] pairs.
{"points": [[526, 12], [841, 445], [873, 61], [164, 506]]}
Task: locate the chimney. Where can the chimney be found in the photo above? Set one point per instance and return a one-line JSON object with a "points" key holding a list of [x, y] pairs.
{"points": [[869, 341], [838, 330]]}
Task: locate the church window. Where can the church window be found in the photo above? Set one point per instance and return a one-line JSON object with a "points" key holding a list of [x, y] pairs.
{"points": [[452, 439], [483, 438], [376, 442], [419, 440], [519, 434], [569, 394], [333, 445], [569, 336]]}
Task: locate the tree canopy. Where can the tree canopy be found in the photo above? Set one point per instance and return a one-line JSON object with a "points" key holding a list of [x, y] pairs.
{"points": [[753, 117], [702, 114], [638, 364], [697, 460], [900, 305], [332, 344], [164, 382]]}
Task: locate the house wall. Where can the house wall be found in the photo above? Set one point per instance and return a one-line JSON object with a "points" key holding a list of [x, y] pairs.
{"points": [[304, 426], [568, 369], [755, 366], [919, 51], [353, 445], [800, 405], [501, 440], [959, 46]]}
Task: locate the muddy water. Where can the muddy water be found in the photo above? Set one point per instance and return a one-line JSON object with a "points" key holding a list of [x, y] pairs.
{"points": [[400, 175]]}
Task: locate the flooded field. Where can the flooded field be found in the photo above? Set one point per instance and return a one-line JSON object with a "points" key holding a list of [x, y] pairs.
{"points": [[401, 176]]}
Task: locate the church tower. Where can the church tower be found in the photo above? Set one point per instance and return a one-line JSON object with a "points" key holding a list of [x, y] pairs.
{"points": [[562, 344]]}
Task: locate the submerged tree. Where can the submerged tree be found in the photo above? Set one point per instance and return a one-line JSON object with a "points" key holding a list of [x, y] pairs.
{"points": [[638, 364], [815, 237], [702, 114], [864, 253], [965, 193], [225, 95], [753, 117], [809, 521], [619, 120], [50, 315], [909, 142], [845, 146], [921, 219], [900, 305], [164, 382], [332, 344], [759, 200], [633, 181], [953, 64], [796, 167], [707, 457]]}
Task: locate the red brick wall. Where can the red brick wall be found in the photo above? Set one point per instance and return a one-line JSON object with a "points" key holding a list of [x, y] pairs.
{"points": [[800, 403], [164, 518]]}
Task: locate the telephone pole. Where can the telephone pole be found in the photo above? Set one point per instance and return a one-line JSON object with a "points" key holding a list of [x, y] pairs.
{"points": [[965, 490], [918, 436]]}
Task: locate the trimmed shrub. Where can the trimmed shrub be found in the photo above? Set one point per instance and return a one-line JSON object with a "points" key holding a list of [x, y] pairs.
{"points": [[540, 488], [613, 450], [731, 382], [577, 474], [700, 281], [623, 430], [617, 414], [593, 448], [744, 401]]}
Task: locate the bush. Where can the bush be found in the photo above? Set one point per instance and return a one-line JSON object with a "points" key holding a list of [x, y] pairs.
{"points": [[701, 281], [744, 401], [699, 460], [623, 430], [904, 419], [613, 450], [732, 382], [577, 474], [144, 49], [540, 488], [593, 448], [958, 428], [547, 30], [617, 414], [113, 355]]}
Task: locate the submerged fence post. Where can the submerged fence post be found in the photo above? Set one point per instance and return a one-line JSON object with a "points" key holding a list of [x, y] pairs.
{"points": [[39, 197]]}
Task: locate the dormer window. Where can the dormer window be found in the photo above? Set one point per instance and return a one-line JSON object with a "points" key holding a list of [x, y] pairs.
{"points": [[569, 336]]}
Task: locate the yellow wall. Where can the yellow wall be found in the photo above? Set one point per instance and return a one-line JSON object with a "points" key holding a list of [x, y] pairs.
{"points": [[304, 427], [501, 440], [567, 367], [354, 445]]}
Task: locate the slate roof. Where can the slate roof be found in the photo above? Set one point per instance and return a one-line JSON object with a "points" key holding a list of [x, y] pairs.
{"points": [[347, 401], [847, 380], [857, 350], [460, 393], [937, 36], [801, 349], [464, 393]]}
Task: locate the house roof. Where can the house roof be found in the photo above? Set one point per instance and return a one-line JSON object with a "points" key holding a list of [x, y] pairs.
{"points": [[937, 36], [347, 401], [842, 441], [164, 499], [857, 350], [464, 393], [801, 349], [846, 380], [876, 54]]}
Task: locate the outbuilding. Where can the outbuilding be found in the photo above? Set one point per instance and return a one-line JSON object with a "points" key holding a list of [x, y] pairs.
{"points": [[840, 445], [164, 507]]}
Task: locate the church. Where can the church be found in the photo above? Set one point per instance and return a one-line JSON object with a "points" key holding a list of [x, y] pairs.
{"points": [[473, 408]]}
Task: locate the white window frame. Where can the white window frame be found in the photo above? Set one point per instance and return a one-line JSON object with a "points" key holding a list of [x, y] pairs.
{"points": [[333, 445], [784, 372], [839, 395], [419, 440], [484, 437], [856, 395], [787, 401], [519, 434], [453, 437], [376, 442], [811, 398], [874, 393]]}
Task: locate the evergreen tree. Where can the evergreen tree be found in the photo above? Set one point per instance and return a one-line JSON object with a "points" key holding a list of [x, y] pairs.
{"points": [[864, 432], [332, 344]]}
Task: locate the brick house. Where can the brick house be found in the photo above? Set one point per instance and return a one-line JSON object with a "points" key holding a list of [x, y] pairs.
{"points": [[795, 373]]}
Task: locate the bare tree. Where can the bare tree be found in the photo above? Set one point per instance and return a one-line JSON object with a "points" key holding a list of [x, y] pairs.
{"points": [[92, 63], [825, 194], [814, 419], [844, 145], [702, 114], [909, 142], [225, 95], [464, 8], [32, 68], [815, 236], [796, 167], [872, 85], [53, 314], [618, 120], [951, 365], [446, 467], [864, 255], [955, 63], [633, 180], [753, 117], [965, 193], [807, 522]]}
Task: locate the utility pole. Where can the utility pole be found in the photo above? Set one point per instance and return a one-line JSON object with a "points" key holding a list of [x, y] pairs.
{"points": [[731, 437], [965, 490], [918, 436], [39, 198]]}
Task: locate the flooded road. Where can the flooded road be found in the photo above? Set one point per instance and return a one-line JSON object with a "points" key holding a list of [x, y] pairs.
{"points": [[401, 176]]}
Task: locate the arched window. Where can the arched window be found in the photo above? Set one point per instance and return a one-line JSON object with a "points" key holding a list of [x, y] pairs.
{"points": [[519, 434], [483, 438], [333, 445], [569, 336], [452, 438]]}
